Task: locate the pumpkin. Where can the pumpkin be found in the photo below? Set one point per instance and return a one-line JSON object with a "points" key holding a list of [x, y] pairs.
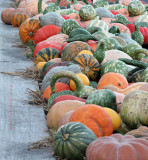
{"points": [[83, 78], [134, 117], [141, 132], [59, 109], [89, 65], [117, 147], [76, 6], [45, 44], [103, 98], [116, 120], [144, 87], [95, 118], [130, 88], [123, 11], [59, 86], [66, 97], [46, 80], [40, 65], [46, 54], [46, 32], [75, 16], [86, 52], [92, 44], [28, 29], [56, 60], [32, 7], [115, 79], [71, 50], [18, 18], [65, 118], [6, 15], [73, 138]]}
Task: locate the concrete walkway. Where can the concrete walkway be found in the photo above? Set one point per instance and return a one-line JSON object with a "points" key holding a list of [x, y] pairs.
{"points": [[21, 124]]}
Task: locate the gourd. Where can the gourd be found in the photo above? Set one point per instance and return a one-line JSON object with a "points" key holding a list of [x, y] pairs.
{"points": [[135, 108], [114, 79], [128, 146], [89, 66], [78, 31], [114, 30], [46, 32], [72, 49], [103, 12], [46, 54], [28, 29], [98, 23], [87, 12], [100, 3], [136, 8], [115, 7], [47, 78], [81, 90], [120, 40], [18, 18], [116, 66], [92, 30], [135, 51], [69, 142], [130, 88], [99, 54], [51, 18], [141, 18], [137, 36], [96, 118], [69, 25], [66, 11], [127, 38], [103, 98], [121, 19], [76, 6], [144, 75], [59, 109], [99, 35]]}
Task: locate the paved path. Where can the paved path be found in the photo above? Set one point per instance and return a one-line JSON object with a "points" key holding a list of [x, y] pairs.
{"points": [[21, 124]]}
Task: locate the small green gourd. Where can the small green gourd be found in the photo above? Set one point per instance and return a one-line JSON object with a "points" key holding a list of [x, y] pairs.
{"points": [[137, 36], [114, 30], [145, 75], [81, 91]]}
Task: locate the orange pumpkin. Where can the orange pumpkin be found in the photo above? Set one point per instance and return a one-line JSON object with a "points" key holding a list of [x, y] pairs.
{"points": [[59, 109], [123, 11], [95, 118], [59, 86], [28, 29], [18, 19], [75, 16], [114, 79], [6, 15]]}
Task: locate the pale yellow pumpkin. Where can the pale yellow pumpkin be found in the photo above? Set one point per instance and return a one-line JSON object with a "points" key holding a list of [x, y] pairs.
{"points": [[116, 120], [59, 109]]}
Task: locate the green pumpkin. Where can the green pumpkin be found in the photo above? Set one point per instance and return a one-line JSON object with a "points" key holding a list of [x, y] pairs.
{"points": [[145, 75], [134, 110], [87, 12], [69, 25], [114, 66], [104, 98], [137, 36], [136, 8], [114, 30], [46, 54], [89, 65], [78, 31], [72, 140], [100, 3], [121, 19]]}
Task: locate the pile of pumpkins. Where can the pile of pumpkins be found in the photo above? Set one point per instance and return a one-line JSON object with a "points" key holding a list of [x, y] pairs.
{"points": [[94, 71]]}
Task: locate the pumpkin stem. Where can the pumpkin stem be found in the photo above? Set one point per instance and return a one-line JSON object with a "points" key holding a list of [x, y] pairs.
{"points": [[30, 34], [64, 136]]}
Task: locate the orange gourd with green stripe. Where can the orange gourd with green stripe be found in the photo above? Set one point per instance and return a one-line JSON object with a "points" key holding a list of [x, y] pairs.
{"points": [[89, 65], [46, 54]]}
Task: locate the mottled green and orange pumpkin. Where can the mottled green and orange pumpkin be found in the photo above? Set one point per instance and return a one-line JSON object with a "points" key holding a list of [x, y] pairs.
{"points": [[28, 29], [18, 18], [89, 65], [46, 54]]}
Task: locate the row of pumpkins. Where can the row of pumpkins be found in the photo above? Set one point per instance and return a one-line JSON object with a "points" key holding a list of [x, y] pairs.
{"points": [[94, 73]]}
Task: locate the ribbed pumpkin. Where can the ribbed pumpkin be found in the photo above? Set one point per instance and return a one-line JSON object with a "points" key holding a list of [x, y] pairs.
{"points": [[28, 29], [18, 18], [59, 109], [83, 78], [117, 147], [95, 118], [46, 32], [89, 65], [72, 49], [116, 120], [45, 44], [71, 141], [40, 65], [6, 15], [59, 86], [86, 52], [66, 97], [46, 54], [114, 79]]}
